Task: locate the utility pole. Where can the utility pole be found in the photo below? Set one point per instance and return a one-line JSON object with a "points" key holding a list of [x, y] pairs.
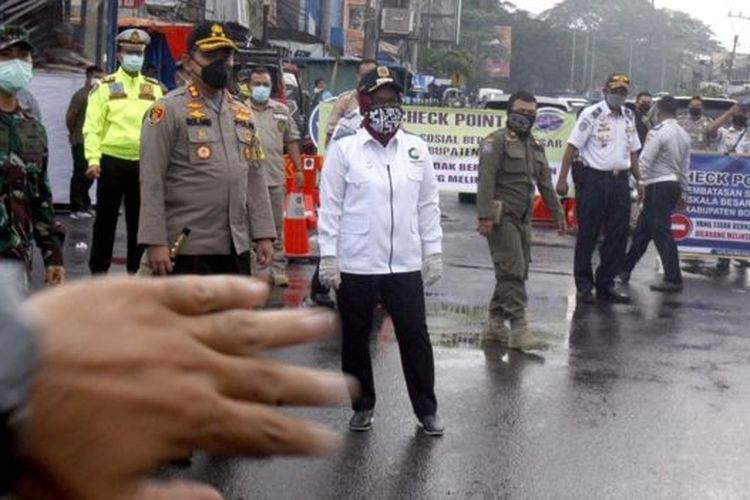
{"points": [[372, 29], [730, 69], [573, 61]]}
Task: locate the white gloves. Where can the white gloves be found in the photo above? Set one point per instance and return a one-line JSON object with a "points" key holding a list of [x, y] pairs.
{"points": [[432, 269], [330, 276]]}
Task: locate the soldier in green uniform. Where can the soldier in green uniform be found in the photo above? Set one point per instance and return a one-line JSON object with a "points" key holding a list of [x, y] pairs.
{"points": [[511, 164], [26, 213]]}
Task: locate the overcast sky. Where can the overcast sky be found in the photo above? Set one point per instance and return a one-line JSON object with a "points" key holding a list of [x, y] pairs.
{"points": [[715, 13]]}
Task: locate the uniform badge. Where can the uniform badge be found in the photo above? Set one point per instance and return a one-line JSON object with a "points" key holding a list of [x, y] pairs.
{"points": [[281, 125], [383, 72], [193, 91], [487, 147], [414, 153], [194, 105], [157, 113], [147, 92], [583, 125], [203, 152], [247, 152], [117, 91], [248, 135], [197, 114]]}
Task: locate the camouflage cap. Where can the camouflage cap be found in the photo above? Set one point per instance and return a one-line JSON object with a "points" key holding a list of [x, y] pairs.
{"points": [[14, 35], [209, 36]]}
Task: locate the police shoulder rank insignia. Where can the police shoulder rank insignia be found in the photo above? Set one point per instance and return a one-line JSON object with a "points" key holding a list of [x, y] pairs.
{"points": [[157, 113], [147, 92], [203, 152]]}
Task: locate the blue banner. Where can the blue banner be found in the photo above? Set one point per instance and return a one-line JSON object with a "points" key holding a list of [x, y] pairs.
{"points": [[717, 221]]}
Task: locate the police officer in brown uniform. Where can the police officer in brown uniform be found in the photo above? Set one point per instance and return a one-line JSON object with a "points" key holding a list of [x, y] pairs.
{"points": [[276, 130], [200, 170], [511, 165]]}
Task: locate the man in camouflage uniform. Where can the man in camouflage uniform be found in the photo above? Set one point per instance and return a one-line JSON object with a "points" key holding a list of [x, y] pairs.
{"points": [[696, 125], [26, 212], [511, 164]]}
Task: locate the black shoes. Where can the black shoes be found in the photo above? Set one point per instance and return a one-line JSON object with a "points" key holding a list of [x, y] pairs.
{"points": [[586, 297], [361, 421], [613, 295], [431, 425], [667, 287]]}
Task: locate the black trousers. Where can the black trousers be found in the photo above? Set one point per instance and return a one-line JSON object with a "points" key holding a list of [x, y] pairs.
{"points": [[403, 297], [212, 264], [655, 223], [602, 206], [79, 183], [119, 179]]}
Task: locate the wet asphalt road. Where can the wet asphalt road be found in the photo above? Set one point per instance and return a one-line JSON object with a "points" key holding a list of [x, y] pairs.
{"points": [[649, 400]]}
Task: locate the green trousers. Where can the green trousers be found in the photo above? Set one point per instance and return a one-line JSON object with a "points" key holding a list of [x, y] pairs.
{"points": [[510, 248]]}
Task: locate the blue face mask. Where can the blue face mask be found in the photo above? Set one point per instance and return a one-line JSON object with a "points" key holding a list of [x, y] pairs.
{"points": [[15, 75], [132, 63], [261, 94]]}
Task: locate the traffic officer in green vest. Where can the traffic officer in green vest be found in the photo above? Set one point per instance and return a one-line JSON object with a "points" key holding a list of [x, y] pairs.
{"points": [[26, 213], [277, 130], [112, 142], [511, 165]]}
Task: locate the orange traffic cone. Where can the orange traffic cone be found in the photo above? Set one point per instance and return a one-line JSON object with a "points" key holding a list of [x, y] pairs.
{"points": [[296, 242]]}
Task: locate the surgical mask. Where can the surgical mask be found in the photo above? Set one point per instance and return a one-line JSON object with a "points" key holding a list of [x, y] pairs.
{"points": [[132, 63], [385, 119], [216, 74], [520, 123], [739, 121], [695, 113], [15, 75], [615, 100], [261, 93]]}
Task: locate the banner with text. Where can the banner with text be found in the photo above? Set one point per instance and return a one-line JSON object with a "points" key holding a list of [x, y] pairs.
{"points": [[454, 137], [717, 221]]}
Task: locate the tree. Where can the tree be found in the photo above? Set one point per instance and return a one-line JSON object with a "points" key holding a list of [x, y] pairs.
{"points": [[446, 62]]}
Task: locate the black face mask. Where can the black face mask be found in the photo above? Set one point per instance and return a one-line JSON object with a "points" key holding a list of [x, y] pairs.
{"points": [[643, 108], [216, 74], [520, 123], [695, 113]]}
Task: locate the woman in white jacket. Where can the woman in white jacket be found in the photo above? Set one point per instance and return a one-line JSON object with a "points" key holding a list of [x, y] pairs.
{"points": [[380, 236]]}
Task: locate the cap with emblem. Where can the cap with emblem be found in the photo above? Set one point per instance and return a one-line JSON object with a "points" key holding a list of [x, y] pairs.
{"points": [[14, 35], [133, 37], [618, 81], [210, 36], [378, 78]]}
